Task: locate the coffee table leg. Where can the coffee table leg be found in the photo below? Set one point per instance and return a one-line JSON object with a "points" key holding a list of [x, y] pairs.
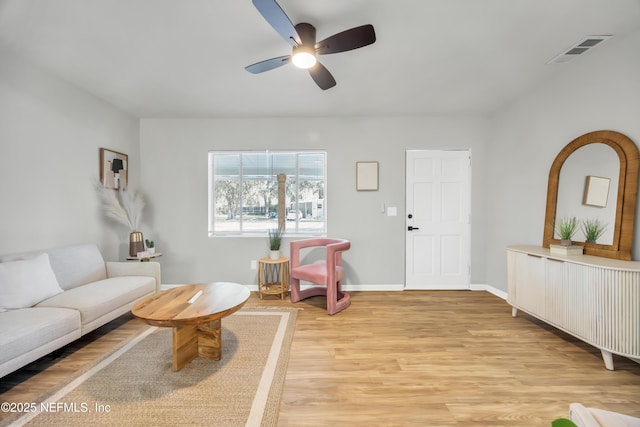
{"points": [[210, 340], [185, 346]]}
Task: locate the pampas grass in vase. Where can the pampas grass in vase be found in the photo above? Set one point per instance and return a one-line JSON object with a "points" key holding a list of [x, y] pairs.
{"points": [[125, 207]]}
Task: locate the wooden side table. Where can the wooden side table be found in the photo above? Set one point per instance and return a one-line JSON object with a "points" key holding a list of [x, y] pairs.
{"points": [[273, 276], [144, 258]]}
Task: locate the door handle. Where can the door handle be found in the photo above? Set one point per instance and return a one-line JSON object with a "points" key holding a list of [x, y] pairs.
{"points": [[411, 228]]}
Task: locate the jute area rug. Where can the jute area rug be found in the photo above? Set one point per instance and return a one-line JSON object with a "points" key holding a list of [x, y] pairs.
{"points": [[135, 385]]}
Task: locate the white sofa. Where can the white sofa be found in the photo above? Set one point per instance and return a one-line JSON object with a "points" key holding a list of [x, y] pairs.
{"points": [[593, 417], [50, 298]]}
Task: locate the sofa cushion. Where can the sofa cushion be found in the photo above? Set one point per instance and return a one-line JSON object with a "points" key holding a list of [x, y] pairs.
{"points": [[99, 298], [77, 265], [581, 416], [614, 419], [26, 282], [593, 417], [24, 330], [73, 265]]}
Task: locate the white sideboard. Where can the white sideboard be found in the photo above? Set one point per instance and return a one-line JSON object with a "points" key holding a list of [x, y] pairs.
{"points": [[594, 299]]}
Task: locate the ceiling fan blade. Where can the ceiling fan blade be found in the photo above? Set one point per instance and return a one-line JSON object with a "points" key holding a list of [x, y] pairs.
{"points": [[275, 16], [347, 40], [269, 64], [322, 76]]}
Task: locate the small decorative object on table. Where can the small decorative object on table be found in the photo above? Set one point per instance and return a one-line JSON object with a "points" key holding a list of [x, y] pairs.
{"points": [[136, 245], [151, 246], [566, 250], [125, 206], [275, 240]]}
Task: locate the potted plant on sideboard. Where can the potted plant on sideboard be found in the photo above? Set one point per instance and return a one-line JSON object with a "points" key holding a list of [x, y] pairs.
{"points": [[592, 229], [566, 227]]}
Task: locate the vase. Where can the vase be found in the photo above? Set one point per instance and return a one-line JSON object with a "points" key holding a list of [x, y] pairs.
{"points": [[566, 242], [274, 254], [136, 243]]}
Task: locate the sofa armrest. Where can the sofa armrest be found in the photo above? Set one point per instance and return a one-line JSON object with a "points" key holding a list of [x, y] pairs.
{"points": [[121, 268], [581, 416]]}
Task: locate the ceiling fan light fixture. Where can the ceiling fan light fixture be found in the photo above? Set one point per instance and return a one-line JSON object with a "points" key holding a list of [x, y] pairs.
{"points": [[302, 37], [303, 57]]}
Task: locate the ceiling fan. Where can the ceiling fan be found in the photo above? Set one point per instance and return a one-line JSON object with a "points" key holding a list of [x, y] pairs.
{"points": [[302, 37]]}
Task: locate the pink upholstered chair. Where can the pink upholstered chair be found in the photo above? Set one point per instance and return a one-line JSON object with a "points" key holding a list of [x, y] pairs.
{"points": [[327, 275]]}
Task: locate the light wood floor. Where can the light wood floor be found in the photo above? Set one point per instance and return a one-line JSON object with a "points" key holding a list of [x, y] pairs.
{"points": [[413, 358]]}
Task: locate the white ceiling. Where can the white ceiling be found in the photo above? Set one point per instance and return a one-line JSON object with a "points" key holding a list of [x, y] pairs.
{"points": [[186, 58]]}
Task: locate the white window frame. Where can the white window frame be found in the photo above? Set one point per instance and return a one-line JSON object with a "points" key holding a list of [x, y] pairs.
{"points": [[293, 226]]}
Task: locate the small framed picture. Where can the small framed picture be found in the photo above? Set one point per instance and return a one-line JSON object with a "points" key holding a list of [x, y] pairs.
{"points": [[367, 176], [596, 191], [114, 169]]}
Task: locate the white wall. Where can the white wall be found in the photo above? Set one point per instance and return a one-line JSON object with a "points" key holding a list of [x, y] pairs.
{"points": [[598, 91], [50, 135], [174, 175]]}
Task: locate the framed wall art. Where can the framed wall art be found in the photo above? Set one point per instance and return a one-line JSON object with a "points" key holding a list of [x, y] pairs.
{"points": [[596, 191], [367, 176], [114, 169]]}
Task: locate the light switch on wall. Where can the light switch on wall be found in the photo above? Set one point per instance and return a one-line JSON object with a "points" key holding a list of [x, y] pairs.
{"points": [[392, 211]]}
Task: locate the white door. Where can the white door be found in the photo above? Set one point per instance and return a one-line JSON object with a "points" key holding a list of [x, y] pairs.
{"points": [[437, 226]]}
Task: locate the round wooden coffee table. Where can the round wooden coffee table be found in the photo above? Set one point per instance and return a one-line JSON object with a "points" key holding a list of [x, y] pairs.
{"points": [[194, 312]]}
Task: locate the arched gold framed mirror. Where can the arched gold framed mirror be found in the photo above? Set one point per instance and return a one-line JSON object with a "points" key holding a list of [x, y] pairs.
{"points": [[623, 229]]}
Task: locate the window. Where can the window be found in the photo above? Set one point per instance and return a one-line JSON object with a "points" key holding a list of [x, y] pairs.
{"points": [[243, 192]]}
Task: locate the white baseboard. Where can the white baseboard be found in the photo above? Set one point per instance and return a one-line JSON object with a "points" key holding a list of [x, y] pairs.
{"points": [[378, 287], [382, 287], [166, 286], [349, 288], [495, 291]]}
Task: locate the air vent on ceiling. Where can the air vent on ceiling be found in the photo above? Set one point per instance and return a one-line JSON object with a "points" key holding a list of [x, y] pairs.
{"points": [[580, 48]]}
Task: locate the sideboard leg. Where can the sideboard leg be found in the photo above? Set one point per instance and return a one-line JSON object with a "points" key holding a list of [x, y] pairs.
{"points": [[608, 359], [514, 312]]}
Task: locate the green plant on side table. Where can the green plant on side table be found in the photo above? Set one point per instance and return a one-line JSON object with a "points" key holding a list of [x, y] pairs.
{"points": [[151, 246], [566, 227], [275, 240], [593, 229]]}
